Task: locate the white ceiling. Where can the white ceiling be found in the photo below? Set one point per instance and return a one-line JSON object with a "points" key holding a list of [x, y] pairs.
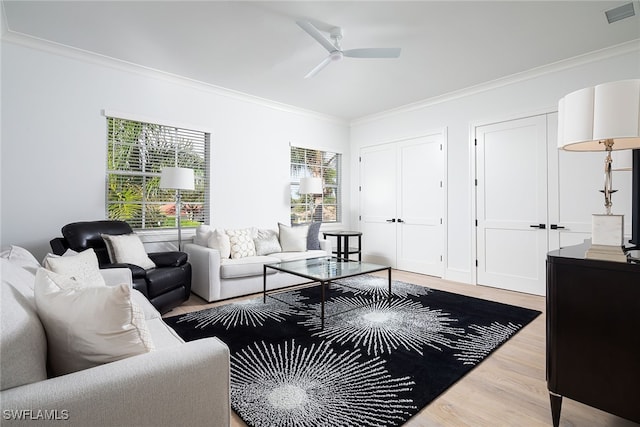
{"points": [[257, 48]]}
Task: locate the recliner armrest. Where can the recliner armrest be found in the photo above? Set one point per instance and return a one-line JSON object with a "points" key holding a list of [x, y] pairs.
{"points": [[58, 245], [137, 272], [168, 259]]}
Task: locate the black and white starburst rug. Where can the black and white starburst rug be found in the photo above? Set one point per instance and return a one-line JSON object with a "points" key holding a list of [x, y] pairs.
{"points": [[375, 362]]}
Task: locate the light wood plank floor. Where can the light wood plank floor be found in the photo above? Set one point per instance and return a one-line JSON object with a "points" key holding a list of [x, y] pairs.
{"points": [[506, 389]]}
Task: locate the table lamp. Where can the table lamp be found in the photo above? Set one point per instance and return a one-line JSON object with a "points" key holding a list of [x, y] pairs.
{"points": [[605, 117]]}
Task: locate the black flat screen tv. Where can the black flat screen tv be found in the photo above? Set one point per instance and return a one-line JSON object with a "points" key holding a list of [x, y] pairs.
{"points": [[635, 200]]}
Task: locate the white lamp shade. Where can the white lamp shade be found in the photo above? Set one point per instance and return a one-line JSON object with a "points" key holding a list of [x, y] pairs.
{"points": [[177, 178], [575, 117], [310, 185], [606, 111]]}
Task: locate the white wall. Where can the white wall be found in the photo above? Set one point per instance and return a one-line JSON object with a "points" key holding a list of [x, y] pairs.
{"points": [[54, 140], [534, 92]]}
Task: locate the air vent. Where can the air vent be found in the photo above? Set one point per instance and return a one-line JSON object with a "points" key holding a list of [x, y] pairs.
{"points": [[620, 12]]}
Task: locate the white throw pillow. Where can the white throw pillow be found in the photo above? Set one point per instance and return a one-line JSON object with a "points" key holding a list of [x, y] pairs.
{"points": [[220, 240], [127, 249], [203, 234], [88, 325], [267, 242], [83, 266], [241, 243], [293, 239], [21, 257]]}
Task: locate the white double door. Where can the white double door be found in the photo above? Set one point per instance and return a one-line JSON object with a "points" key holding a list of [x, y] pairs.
{"points": [[532, 198], [402, 204]]}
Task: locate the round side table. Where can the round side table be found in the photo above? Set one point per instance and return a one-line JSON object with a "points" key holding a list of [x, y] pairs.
{"points": [[343, 251]]}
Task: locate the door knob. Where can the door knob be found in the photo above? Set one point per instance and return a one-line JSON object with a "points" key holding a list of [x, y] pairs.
{"points": [[555, 227], [391, 220], [540, 226], [400, 220]]}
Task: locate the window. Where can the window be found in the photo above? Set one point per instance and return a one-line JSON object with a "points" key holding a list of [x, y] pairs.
{"points": [[137, 152], [324, 207]]}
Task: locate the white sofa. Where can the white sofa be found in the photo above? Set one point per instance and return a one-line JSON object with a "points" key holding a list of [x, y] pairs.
{"points": [[176, 384], [216, 277]]}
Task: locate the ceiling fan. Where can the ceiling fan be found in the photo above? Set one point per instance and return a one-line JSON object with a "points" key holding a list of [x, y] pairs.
{"points": [[335, 51]]}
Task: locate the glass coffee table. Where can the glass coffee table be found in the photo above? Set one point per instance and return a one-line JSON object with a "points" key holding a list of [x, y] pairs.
{"points": [[323, 271]]}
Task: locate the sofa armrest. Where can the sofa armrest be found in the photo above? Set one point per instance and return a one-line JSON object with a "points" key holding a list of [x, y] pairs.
{"points": [[205, 264], [168, 259], [58, 245], [183, 385], [117, 276], [325, 245]]}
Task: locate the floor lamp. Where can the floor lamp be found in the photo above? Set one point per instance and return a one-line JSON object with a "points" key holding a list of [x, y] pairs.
{"points": [[605, 117], [311, 186], [177, 179]]}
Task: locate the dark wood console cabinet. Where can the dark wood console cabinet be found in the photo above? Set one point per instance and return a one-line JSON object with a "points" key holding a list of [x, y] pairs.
{"points": [[593, 333]]}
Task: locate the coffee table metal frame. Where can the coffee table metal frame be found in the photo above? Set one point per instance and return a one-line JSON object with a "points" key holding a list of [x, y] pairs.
{"points": [[326, 270]]}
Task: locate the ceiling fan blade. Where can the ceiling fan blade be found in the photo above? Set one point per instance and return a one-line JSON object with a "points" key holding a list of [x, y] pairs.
{"points": [[316, 34], [319, 67], [373, 52]]}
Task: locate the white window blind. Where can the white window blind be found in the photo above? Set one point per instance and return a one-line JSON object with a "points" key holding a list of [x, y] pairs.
{"points": [[136, 154], [326, 207]]}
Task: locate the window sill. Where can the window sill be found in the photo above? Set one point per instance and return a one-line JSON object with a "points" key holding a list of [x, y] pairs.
{"points": [[166, 235]]}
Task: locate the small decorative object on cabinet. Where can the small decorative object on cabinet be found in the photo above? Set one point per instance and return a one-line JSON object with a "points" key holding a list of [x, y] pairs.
{"points": [[593, 339]]}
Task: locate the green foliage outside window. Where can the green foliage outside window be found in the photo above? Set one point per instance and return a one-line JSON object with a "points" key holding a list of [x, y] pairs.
{"points": [[315, 163], [136, 154]]}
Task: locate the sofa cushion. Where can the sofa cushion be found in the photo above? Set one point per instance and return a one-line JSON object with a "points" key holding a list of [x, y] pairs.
{"points": [[81, 265], [127, 249], [293, 256], [266, 242], [23, 352], [88, 325], [293, 239], [220, 241], [241, 241], [248, 266]]}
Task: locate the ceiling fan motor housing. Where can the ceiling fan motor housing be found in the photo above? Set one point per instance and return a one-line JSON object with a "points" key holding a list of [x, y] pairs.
{"points": [[336, 33]]}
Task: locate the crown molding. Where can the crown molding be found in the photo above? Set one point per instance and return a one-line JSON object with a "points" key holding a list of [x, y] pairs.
{"points": [[7, 35], [617, 50], [48, 46]]}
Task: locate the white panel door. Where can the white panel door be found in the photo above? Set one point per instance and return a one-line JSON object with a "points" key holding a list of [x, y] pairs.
{"points": [[378, 189], [402, 204], [420, 205], [511, 203]]}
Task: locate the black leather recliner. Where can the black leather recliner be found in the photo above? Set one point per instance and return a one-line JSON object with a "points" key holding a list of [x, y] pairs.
{"points": [[166, 286]]}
